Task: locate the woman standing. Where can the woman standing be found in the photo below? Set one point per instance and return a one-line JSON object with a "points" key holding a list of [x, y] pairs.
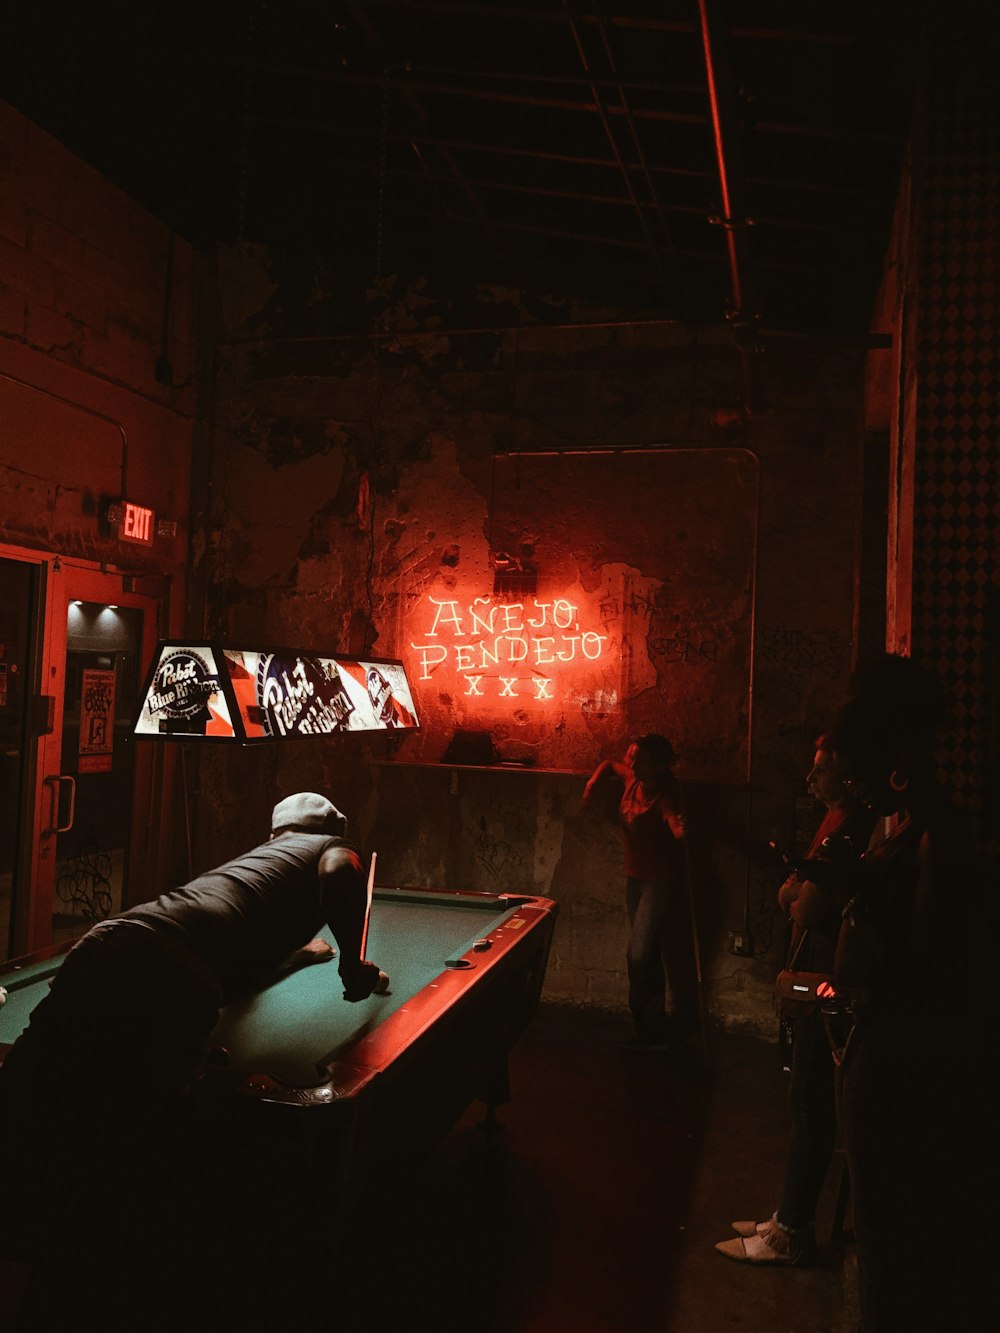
{"points": [[788, 1236], [649, 811], [913, 958]]}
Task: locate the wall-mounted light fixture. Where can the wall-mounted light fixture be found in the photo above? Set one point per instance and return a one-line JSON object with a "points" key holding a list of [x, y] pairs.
{"points": [[215, 692], [513, 578]]}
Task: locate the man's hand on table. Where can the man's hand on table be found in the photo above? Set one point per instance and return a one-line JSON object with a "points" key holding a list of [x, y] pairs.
{"points": [[316, 951], [362, 980]]}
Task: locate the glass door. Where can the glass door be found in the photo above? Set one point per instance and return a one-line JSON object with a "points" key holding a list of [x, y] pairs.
{"points": [[86, 818], [92, 795], [19, 584]]}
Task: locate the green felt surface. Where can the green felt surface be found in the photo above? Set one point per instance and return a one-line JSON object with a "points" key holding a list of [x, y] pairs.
{"points": [[25, 988], [284, 1030]]}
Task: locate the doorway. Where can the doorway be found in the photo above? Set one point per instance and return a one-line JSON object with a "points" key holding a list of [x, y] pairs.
{"points": [[76, 791], [19, 600]]}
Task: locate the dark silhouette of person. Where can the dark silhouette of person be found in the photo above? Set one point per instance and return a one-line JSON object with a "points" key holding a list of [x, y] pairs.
{"points": [[96, 1136], [643, 795], [788, 1236], [912, 972]]}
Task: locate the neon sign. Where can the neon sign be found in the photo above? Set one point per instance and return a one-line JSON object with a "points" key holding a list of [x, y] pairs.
{"points": [[511, 650]]}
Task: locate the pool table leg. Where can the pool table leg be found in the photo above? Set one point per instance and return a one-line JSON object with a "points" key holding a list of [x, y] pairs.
{"points": [[494, 1087]]}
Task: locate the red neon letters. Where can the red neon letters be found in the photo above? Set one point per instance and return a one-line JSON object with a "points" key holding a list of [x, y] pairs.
{"points": [[507, 648]]}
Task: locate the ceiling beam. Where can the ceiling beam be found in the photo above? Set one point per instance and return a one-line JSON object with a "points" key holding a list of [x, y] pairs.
{"points": [[615, 242], [353, 131], [760, 220], [505, 13], [626, 175], [408, 94], [408, 88]]}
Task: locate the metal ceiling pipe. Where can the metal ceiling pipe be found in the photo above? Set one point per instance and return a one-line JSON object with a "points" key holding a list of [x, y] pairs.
{"points": [[732, 218]]}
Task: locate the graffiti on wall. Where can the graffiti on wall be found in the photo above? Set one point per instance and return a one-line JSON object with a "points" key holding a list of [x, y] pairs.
{"points": [[495, 854], [684, 647], [804, 652], [501, 828]]}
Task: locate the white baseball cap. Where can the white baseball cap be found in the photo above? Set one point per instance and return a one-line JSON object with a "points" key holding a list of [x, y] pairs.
{"points": [[308, 810]]}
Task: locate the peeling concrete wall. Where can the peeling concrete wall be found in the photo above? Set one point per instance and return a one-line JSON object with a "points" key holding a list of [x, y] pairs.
{"points": [[358, 490], [639, 611]]}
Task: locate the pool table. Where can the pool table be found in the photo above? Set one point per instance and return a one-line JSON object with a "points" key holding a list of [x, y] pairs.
{"points": [[304, 1086]]}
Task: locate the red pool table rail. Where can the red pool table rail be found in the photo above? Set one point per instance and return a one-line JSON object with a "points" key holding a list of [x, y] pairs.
{"points": [[483, 964]]}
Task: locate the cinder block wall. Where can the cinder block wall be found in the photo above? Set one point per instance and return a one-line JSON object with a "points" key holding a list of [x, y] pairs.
{"points": [[98, 314], [99, 385]]}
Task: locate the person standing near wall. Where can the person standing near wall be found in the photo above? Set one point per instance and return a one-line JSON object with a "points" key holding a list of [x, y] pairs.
{"points": [[788, 1237], [914, 968], [644, 797]]}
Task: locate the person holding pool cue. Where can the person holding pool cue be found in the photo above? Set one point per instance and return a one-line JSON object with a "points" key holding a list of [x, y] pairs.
{"points": [[128, 1018]]}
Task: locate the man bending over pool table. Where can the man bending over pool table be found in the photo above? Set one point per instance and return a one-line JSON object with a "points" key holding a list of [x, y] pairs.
{"points": [[93, 1093]]}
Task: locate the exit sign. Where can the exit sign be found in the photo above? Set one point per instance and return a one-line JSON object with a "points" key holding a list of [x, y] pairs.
{"points": [[135, 523]]}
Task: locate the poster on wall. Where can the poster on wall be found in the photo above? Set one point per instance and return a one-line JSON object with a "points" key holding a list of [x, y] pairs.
{"points": [[251, 695], [97, 721]]}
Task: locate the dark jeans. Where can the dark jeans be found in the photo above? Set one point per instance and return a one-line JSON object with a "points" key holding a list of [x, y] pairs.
{"points": [[812, 1104], [93, 1126], [660, 947], [919, 1134]]}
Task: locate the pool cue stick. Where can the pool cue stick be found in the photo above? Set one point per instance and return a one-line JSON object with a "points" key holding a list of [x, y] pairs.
{"points": [[368, 906], [186, 796], [695, 941]]}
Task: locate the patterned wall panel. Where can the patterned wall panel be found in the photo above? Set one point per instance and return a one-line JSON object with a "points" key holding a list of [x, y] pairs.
{"points": [[957, 509]]}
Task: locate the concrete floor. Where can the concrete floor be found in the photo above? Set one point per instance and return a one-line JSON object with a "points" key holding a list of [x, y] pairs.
{"points": [[593, 1207], [596, 1206]]}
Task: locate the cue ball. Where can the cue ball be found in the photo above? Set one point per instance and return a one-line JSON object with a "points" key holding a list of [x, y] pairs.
{"points": [[3, 995]]}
